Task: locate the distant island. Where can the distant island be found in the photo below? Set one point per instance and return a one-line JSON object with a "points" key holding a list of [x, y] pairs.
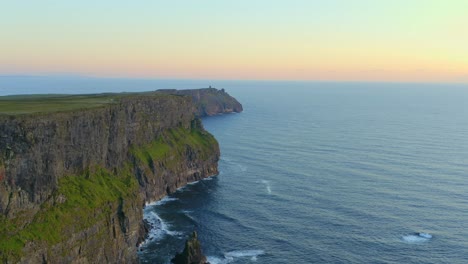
{"points": [[77, 170]]}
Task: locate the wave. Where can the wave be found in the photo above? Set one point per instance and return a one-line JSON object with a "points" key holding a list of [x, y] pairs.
{"points": [[216, 260], [244, 253], [183, 188], [417, 238], [233, 255], [267, 185], [189, 215], [193, 183], [209, 178], [165, 200], [159, 228]]}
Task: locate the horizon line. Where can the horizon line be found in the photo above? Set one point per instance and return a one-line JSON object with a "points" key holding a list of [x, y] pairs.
{"points": [[85, 76]]}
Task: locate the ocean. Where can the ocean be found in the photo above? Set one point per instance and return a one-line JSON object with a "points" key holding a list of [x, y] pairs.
{"points": [[317, 173]]}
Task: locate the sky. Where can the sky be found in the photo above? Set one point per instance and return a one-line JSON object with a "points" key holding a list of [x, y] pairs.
{"points": [[333, 40]]}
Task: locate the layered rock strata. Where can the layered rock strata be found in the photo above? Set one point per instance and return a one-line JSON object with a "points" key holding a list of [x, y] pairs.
{"points": [[210, 101], [73, 183]]}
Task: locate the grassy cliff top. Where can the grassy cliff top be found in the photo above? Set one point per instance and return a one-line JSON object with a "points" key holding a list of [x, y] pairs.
{"points": [[205, 98], [27, 104]]}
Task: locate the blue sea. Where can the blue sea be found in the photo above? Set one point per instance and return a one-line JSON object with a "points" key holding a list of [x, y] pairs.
{"points": [[317, 173]]}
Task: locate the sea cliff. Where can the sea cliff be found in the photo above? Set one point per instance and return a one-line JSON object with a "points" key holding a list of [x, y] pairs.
{"points": [[210, 101], [73, 182]]}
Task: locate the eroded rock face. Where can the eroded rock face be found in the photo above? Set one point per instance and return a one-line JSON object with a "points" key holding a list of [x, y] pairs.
{"points": [[210, 101], [192, 253], [37, 151]]}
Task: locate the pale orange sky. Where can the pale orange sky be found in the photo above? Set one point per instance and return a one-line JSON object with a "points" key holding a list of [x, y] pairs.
{"points": [[278, 40]]}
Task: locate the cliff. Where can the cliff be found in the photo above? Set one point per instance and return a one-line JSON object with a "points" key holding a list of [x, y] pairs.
{"points": [[210, 101], [73, 182]]}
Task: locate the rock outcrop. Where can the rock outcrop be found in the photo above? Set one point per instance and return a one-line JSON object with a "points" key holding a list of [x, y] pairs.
{"points": [[210, 101], [192, 253], [73, 184]]}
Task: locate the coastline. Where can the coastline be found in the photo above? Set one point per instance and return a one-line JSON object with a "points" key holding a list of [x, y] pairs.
{"points": [[160, 202], [118, 155]]}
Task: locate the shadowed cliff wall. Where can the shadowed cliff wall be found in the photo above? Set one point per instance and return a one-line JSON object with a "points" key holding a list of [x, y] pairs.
{"points": [[73, 184], [210, 101]]}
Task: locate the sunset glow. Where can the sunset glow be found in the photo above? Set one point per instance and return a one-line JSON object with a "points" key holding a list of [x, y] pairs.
{"points": [[286, 40]]}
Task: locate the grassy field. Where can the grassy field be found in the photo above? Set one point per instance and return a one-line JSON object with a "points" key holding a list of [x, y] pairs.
{"points": [[26, 104]]}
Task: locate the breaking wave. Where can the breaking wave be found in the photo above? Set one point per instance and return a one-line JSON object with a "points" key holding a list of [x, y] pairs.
{"points": [[193, 183], [159, 228], [417, 238], [165, 200], [231, 256]]}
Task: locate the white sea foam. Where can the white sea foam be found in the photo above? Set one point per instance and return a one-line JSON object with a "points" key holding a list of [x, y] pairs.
{"points": [[267, 185], [417, 238], [231, 256], [166, 200], [193, 183], [216, 260], [425, 235], [159, 228], [244, 253], [252, 254], [181, 189]]}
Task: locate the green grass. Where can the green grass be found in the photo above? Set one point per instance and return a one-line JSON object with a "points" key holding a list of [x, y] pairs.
{"points": [[92, 196], [26, 104], [86, 196], [173, 144]]}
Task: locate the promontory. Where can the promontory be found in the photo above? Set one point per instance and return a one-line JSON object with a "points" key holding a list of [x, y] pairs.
{"points": [[77, 170]]}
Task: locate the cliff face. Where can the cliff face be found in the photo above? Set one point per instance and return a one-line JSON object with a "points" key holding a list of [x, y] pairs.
{"points": [[73, 184], [210, 101], [39, 149]]}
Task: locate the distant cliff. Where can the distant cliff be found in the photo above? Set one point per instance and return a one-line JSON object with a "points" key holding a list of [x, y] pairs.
{"points": [[210, 101], [73, 183]]}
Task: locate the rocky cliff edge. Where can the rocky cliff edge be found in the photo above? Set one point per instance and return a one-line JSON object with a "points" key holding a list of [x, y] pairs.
{"points": [[73, 183], [210, 101]]}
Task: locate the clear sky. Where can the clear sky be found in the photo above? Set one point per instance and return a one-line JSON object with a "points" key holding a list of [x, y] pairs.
{"points": [[347, 40]]}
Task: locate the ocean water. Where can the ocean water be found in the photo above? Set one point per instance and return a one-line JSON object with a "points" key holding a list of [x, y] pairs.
{"points": [[319, 173], [330, 173]]}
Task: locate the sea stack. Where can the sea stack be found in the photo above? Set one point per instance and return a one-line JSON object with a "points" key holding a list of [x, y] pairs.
{"points": [[192, 253]]}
